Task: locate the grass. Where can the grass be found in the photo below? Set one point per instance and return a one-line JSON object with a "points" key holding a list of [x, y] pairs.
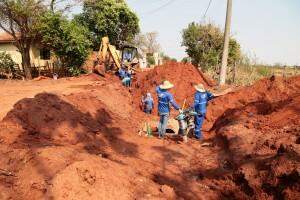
{"points": [[248, 74]]}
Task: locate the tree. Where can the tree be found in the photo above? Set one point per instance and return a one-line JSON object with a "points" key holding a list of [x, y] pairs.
{"points": [[147, 42], [63, 5], [68, 39], [112, 18], [18, 18], [204, 45], [186, 60]]}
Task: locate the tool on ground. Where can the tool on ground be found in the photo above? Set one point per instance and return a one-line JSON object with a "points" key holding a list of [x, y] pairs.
{"points": [[186, 122], [149, 130]]}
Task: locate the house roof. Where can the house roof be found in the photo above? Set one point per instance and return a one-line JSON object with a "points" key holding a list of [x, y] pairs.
{"points": [[5, 38]]}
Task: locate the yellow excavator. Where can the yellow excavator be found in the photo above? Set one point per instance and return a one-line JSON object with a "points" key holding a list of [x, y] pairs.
{"points": [[111, 59]]}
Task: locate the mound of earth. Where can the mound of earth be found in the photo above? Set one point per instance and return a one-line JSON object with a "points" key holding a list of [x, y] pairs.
{"points": [[262, 98], [183, 76], [258, 130]]}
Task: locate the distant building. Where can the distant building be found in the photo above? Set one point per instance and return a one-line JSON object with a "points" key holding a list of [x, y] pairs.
{"points": [[39, 56]]}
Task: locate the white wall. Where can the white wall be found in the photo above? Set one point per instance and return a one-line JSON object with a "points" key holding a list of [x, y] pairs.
{"points": [[13, 51], [16, 55]]}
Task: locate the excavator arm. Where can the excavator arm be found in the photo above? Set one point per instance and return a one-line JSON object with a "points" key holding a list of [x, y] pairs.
{"points": [[106, 48]]}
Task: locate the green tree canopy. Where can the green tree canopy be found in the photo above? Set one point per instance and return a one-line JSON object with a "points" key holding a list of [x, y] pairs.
{"points": [[112, 18], [204, 45], [68, 39]]}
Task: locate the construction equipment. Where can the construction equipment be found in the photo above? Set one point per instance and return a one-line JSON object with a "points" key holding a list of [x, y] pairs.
{"points": [[111, 59], [186, 122]]}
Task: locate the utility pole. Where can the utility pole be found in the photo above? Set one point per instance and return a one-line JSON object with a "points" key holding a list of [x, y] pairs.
{"points": [[226, 43]]}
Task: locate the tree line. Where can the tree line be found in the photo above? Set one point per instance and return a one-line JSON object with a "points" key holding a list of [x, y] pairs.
{"points": [[71, 39], [46, 22]]}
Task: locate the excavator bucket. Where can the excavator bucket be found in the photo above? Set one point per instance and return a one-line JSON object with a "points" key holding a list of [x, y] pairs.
{"points": [[100, 69]]}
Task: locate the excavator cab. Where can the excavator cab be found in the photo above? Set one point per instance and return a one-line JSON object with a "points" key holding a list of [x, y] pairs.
{"points": [[129, 56], [129, 53]]}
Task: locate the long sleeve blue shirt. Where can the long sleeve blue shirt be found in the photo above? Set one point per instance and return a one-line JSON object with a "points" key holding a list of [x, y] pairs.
{"points": [[200, 101], [164, 100], [149, 103], [122, 73]]}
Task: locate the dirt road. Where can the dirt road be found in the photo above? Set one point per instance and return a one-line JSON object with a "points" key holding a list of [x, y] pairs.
{"points": [[13, 91]]}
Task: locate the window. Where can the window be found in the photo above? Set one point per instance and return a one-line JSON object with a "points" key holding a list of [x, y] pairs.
{"points": [[45, 54]]}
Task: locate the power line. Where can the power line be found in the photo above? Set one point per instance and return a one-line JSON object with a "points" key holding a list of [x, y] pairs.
{"points": [[207, 9], [161, 7]]}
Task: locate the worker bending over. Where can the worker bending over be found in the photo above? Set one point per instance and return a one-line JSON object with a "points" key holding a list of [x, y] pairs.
{"points": [[148, 103], [201, 99], [164, 100], [127, 78], [122, 72]]}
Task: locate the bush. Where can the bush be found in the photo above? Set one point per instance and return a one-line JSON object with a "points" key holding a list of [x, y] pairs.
{"points": [[76, 71], [150, 60], [263, 71], [7, 65]]}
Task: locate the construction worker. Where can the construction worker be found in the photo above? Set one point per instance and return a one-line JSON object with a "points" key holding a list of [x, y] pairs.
{"points": [[122, 72], [127, 78], [164, 100], [148, 103], [201, 98]]}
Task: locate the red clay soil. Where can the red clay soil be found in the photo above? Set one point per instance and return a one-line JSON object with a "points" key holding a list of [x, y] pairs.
{"points": [[262, 98], [85, 145], [183, 76], [258, 128]]}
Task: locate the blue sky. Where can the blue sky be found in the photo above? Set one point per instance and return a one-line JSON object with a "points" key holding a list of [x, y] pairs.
{"points": [[269, 29]]}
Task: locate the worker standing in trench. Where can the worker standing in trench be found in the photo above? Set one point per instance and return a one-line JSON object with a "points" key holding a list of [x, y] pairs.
{"points": [[148, 103], [201, 98], [165, 98]]}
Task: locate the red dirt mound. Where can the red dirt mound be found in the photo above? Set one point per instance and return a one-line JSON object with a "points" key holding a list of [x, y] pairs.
{"points": [[258, 128], [264, 97], [183, 76]]}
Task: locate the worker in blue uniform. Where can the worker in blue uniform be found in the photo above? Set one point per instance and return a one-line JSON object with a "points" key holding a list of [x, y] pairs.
{"points": [[165, 98], [127, 78], [122, 72], [201, 99], [148, 103]]}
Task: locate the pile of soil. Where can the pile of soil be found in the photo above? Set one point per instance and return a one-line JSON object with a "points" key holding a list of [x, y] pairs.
{"points": [[258, 130], [262, 98], [183, 76], [57, 146]]}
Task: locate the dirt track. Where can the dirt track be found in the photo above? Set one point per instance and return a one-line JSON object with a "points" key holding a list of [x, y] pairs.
{"points": [[82, 142]]}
